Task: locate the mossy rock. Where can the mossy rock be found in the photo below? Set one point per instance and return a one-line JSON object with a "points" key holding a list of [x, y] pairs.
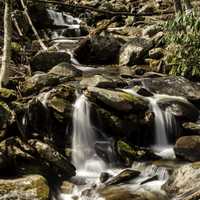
{"points": [[29, 187], [7, 94], [130, 153]]}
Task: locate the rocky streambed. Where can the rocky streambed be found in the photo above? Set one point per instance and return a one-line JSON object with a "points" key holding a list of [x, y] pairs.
{"points": [[118, 68]]}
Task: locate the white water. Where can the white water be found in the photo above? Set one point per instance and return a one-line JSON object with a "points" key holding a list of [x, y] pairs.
{"points": [[84, 137], [63, 20], [164, 120]]}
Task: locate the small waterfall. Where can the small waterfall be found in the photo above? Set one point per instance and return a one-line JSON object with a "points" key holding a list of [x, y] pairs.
{"points": [[65, 22], [160, 123], [84, 137]]}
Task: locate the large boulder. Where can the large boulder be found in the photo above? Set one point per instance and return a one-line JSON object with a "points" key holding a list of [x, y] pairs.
{"points": [[98, 50], [45, 60], [53, 157], [38, 81], [192, 128], [184, 183], [118, 100], [188, 147], [134, 51], [26, 188], [174, 86]]}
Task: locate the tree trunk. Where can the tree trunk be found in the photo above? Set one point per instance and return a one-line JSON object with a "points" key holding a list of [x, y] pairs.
{"points": [[178, 6], [7, 43]]}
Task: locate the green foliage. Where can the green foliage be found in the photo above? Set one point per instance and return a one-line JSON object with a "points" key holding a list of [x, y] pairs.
{"points": [[183, 40]]}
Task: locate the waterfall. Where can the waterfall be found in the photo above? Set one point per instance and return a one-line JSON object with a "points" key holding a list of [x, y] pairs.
{"points": [[164, 120], [84, 138], [160, 123], [65, 22]]}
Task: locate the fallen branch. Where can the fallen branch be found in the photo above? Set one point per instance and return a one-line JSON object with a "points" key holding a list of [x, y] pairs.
{"points": [[113, 13]]}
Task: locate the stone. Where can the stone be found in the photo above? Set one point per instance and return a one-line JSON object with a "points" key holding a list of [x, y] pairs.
{"points": [[101, 82], [7, 94], [173, 85], [117, 100], [134, 51], [184, 183], [156, 53], [124, 176], [65, 69], [147, 8], [152, 30], [67, 187], [38, 81], [192, 127], [98, 50], [104, 177], [26, 188], [45, 60], [126, 72], [188, 147], [129, 153], [51, 155], [122, 193]]}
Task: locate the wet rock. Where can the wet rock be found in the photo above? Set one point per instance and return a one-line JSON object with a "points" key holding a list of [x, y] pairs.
{"points": [[45, 60], [126, 72], [184, 183], [179, 108], [129, 153], [134, 51], [7, 94], [67, 187], [49, 154], [192, 128], [188, 147], [120, 101], [104, 177], [122, 193], [122, 177], [98, 50], [65, 69], [7, 117], [101, 82], [37, 82], [151, 30], [156, 53], [173, 85], [29, 188], [60, 102]]}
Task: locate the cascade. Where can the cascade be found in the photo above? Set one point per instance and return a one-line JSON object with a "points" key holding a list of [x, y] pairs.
{"points": [[84, 138], [63, 22], [164, 120]]}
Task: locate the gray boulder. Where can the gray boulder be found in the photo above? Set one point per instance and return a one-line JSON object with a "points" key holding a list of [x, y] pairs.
{"points": [[134, 51]]}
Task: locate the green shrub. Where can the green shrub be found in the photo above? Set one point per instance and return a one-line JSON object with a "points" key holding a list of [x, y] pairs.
{"points": [[183, 41]]}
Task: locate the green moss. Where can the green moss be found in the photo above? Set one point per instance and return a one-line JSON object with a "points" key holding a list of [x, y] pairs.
{"points": [[7, 94]]}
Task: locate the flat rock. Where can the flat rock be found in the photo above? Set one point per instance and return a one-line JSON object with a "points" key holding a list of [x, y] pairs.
{"points": [[26, 188], [117, 100]]}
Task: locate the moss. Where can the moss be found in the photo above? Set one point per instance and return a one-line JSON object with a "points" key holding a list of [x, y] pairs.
{"points": [[7, 94]]}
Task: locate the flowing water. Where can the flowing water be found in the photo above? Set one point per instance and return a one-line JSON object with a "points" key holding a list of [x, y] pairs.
{"points": [[84, 138], [64, 23]]}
